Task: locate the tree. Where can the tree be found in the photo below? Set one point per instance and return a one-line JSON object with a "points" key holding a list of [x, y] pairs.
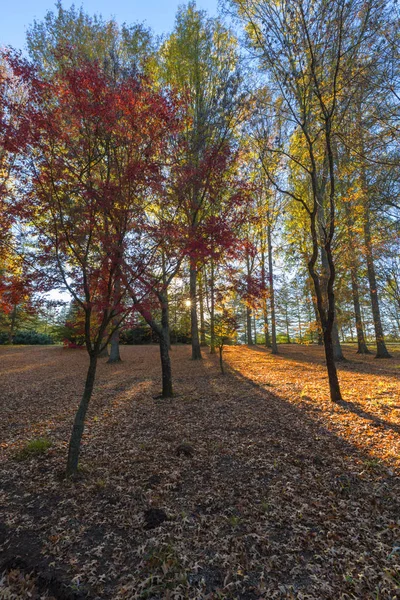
{"points": [[308, 51], [14, 136], [93, 154], [226, 326], [200, 61], [72, 34]]}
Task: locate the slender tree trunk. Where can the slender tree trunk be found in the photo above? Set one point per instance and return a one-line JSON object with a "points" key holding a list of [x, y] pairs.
{"points": [[266, 324], [334, 387], [264, 304], [274, 344], [325, 294], [327, 320], [299, 321], [163, 333], [221, 362], [337, 348], [114, 342], [310, 321], [79, 421], [201, 302], [12, 324], [196, 350], [255, 327], [327, 325], [212, 308], [361, 343], [249, 333], [248, 309], [320, 335], [287, 325], [381, 350], [167, 391]]}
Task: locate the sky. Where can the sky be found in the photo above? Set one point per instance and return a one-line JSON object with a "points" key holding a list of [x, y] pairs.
{"points": [[158, 14]]}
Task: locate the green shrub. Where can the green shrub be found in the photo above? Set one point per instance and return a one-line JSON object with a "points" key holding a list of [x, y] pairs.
{"points": [[34, 448], [32, 338], [3, 338], [179, 337], [137, 336]]}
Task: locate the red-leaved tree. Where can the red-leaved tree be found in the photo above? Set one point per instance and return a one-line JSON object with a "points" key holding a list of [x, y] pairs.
{"points": [[95, 152]]}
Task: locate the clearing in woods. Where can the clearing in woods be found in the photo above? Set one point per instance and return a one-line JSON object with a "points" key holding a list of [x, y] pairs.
{"points": [[264, 489]]}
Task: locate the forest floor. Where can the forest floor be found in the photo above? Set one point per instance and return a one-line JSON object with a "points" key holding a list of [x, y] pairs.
{"points": [[277, 493]]}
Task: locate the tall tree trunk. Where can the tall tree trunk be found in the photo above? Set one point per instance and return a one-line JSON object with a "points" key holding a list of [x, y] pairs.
{"points": [[167, 391], [79, 421], [162, 331], [361, 343], [287, 325], [310, 320], [317, 318], [196, 350], [266, 324], [255, 326], [274, 344], [212, 308], [327, 320], [114, 346], [381, 350], [201, 302], [299, 321], [324, 293], [337, 348], [264, 300], [114, 351], [248, 309], [334, 387], [221, 362], [12, 324], [249, 327]]}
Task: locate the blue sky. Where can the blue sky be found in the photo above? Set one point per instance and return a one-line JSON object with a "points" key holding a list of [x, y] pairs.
{"points": [[158, 14]]}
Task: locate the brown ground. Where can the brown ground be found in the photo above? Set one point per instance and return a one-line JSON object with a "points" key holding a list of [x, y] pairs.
{"points": [[285, 495]]}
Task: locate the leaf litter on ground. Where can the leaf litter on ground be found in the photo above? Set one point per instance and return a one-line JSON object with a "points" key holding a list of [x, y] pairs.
{"points": [[251, 485]]}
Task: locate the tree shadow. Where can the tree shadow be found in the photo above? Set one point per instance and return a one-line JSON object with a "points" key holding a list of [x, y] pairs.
{"points": [[277, 490], [377, 421], [308, 467], [314, 354]]}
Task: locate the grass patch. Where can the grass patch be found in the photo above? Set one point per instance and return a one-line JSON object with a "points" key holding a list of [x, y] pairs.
{"points": [[34, 448]]}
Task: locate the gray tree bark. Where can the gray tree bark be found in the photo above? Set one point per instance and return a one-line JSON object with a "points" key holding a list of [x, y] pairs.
{"points": [[194, 324]]}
